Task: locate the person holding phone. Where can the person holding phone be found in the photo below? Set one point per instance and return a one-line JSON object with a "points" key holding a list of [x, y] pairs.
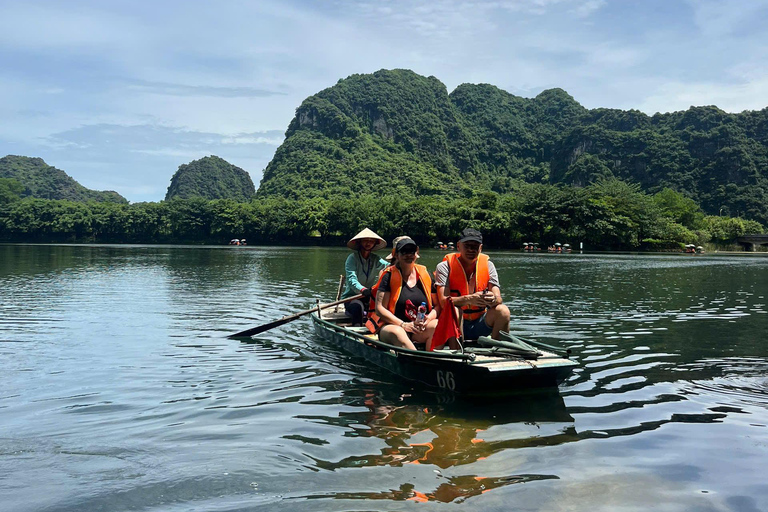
{"points": [[471, 280]]}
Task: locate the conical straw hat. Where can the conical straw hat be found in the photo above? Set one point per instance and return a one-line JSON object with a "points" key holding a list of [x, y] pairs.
{"points": [[367, 233]]}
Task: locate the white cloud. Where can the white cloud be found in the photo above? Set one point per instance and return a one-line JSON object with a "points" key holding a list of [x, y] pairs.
{"points": [[167, 81], [676, 96], [719, 18], [272, 141], [189, 154]]}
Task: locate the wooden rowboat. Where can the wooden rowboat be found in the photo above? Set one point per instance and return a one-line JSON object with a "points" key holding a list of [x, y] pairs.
{"points": [[474, 370]]}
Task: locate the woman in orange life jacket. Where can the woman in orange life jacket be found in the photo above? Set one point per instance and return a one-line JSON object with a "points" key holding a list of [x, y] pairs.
{"points": [[390, 257], [402, 287]]}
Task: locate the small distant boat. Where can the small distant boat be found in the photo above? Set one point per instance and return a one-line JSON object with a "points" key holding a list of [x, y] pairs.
{"points": [[473, 370]]}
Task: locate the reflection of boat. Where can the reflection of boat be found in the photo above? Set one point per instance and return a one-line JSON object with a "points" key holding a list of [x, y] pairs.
{"points": [[470, 371], [417, 430]]}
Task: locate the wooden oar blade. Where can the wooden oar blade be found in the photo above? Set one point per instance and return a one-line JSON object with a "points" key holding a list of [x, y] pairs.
{"points": [[258, 330]]}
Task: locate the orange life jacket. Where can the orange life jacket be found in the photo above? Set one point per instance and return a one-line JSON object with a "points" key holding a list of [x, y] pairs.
{"points": [[458, 282], [375, 323]]}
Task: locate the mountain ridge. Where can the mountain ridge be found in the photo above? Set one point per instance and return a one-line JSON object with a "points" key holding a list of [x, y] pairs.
{"points": [[397, 131], [44, 181]]}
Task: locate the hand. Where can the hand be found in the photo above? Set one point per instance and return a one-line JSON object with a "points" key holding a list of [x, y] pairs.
{"points": [[409, 327], [490, 300], [478, 299], [366, 293]]}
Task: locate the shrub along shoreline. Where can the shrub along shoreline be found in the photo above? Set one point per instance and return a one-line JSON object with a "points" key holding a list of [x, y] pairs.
{"points": [[608, 215]]}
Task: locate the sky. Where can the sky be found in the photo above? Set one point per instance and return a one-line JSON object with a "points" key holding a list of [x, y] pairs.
{"points": [[119, 93]]}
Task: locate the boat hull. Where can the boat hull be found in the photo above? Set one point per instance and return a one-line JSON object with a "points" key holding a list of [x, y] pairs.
{"points": [[479, 376]]}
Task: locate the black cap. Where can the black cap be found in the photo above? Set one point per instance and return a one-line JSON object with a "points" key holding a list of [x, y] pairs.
{"points": [[471, 235], [405, 242]]}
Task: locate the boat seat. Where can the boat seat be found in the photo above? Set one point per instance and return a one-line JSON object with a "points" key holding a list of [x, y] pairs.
{"points": [[335, 316]]}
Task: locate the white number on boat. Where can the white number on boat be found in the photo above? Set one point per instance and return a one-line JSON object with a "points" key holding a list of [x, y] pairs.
{"points": [[446, 380]]}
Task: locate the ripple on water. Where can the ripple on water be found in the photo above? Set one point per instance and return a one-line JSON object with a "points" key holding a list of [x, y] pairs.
{"points": [[125, 393], [744, 380]]}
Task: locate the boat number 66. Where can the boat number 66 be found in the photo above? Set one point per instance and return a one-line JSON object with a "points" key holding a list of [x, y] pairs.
{"points": [[445, 380]]}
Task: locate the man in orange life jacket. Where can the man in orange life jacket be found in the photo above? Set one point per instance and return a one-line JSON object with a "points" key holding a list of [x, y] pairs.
{"points": [[470, 278]]}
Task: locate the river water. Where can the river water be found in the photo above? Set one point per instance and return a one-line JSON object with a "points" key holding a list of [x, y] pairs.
{"points": [[120, 391]]}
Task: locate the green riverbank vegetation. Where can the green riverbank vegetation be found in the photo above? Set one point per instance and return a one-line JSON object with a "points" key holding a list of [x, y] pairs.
{"points": [[606, 215]]}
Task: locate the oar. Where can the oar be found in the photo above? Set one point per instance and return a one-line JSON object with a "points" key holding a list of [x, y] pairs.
{"points": [[256, 330]]}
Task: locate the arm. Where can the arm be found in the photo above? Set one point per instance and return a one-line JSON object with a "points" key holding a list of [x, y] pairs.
{"points": [[443, 291], [441, 280], [496, 300], [493, 285], [382, 297], [473, 299]]}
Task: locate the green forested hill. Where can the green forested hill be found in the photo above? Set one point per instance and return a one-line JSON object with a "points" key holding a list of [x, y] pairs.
{"points": [[47, 182], [402, 133], [211, 177], [393, 131], [718, 159]]}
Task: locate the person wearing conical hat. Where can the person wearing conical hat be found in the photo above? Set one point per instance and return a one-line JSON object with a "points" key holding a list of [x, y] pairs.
{"points": [[362, 271]]}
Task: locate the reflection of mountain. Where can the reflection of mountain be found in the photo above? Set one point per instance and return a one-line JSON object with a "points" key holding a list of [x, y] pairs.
{"points": [[426, 430]]}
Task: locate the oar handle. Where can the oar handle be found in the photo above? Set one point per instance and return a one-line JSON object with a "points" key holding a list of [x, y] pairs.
{"points": [[261, 328]]}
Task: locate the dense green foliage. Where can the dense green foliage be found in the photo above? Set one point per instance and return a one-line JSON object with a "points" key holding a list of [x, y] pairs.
{"points": [[401, 133], [46, 182], [608, 214], [10, 190], [211, 177], [394, 151]]}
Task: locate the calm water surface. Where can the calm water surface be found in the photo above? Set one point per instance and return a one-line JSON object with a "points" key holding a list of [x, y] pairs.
{"points": [[119, 390]]}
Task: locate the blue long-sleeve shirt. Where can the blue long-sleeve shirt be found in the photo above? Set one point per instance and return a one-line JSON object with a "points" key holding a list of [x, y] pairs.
{"points": [[361, 272]]}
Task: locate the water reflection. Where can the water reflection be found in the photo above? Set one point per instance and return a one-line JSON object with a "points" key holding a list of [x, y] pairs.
{"points": [[122, 391], [454, 489], [446, 432]]}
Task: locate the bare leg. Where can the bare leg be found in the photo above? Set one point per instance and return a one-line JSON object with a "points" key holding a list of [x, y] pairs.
{"points": [[426, 335], [498, 319], [396, 335]]}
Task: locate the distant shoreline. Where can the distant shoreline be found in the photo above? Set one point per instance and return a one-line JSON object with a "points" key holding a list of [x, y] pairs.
{"points": [[341, 247]]}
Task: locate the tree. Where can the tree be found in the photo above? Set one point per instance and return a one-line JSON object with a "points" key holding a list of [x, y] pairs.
{"points": [[10, 190]]}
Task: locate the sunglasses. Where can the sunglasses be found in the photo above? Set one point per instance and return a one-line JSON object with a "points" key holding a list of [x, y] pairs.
{"points": [[409, 250]]}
